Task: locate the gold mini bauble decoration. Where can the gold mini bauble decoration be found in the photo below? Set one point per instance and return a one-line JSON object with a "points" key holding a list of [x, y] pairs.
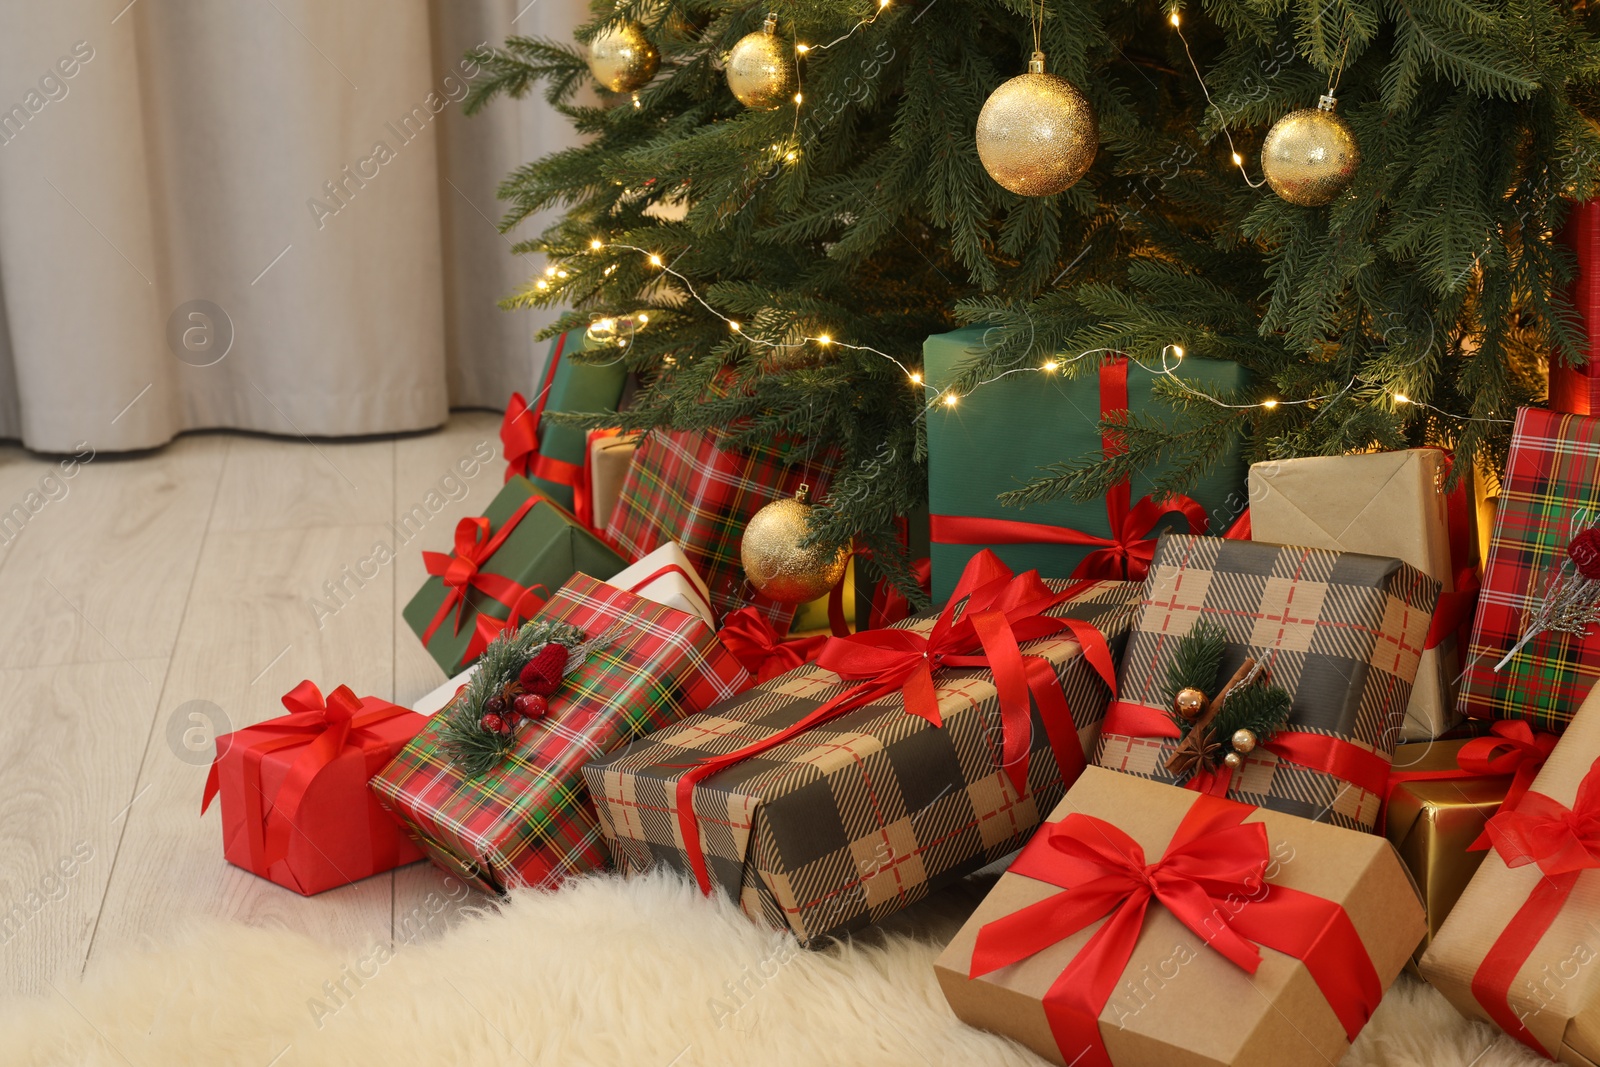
{"points": [[1244, 741], [1037, 134], [760, 68], [1233, 760], [1310, 156], [1189, 703], [774, 561], [622, 58]]}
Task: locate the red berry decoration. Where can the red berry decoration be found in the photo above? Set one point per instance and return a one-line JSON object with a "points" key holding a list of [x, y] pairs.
{"points": [[495, 705], [542, 675], [531, 705], [493, 723], [1585, 553]]}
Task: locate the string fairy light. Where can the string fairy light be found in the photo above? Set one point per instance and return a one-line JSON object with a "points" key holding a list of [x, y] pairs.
{"points": [[1233, 149]]}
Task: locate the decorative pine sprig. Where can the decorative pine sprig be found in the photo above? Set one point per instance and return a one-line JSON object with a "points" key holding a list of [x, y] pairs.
{"points": [[478, 751], [1195, 661]]}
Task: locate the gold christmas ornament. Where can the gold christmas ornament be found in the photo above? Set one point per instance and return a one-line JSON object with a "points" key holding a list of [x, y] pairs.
{"points": [[774, 561], [1233, 760], [1037, 134], [760, 68], [1190, 703], [622, 58], [1310, 156], [1244, 741]]}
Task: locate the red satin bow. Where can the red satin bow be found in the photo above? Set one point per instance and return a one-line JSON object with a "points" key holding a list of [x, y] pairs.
{"points": [[1211, 878], [519, 437], [1002, 610], [486, 628], [1511, 747], [1564, 842], [755, 643], [325, 728], [460, 570]]}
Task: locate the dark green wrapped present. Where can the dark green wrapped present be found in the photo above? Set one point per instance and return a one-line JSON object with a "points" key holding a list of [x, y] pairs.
{"points": [[997, 438], [503, 568], [554, 457]]}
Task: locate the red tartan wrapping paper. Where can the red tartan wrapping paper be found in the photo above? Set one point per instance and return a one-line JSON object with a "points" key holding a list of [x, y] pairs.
{"points": [[682, 487], [863, 815], [339, 833], [530, 821], [1341, 631], [1550, 491]]}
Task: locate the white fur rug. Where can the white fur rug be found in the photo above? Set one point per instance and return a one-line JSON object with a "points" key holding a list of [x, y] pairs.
{"points": [[604, 972]]}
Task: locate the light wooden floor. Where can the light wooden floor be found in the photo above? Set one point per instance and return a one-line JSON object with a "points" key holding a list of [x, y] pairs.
{"points": [[158, 591]]}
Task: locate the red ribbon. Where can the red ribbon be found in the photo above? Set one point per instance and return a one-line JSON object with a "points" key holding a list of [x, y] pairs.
{"points": [[1344, 760], [1564, 842], [756, 643], [1126, 554], [326, 728], [485, 628], [519, 428], [1002, 611], [460, 570], [1212, 878], [889, 605], [673, 568]]}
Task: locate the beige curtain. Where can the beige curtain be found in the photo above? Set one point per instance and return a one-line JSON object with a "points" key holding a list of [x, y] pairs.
{"points": [[261, 214]]}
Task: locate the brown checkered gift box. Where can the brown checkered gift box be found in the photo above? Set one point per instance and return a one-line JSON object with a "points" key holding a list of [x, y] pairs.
{"points": [[852, 820], [1341, 631], [683, 486], [530, 821]]}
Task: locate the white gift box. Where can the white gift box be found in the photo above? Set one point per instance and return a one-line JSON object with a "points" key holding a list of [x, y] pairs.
{"points": [[665, 576]]}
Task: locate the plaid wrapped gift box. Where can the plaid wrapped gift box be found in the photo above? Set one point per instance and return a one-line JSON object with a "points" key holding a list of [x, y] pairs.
{"points": [[856, 818], [529, 821], [682, 486], [1342, 632], [1550, 492]]}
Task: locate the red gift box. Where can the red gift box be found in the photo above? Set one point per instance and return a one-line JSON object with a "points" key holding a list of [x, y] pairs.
{"points": [[1576, 390], [295, 805]]}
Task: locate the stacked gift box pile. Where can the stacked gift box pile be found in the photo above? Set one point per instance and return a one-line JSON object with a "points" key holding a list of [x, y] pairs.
{"points": [[1262, 745]]}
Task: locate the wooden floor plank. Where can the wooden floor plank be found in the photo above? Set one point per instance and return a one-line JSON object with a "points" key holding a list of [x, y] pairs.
{"points": [[70, 745], [274, 484]]}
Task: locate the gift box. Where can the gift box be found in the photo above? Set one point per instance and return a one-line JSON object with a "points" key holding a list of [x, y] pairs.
{"points": [[610, 455], [1343, 633], [295, 806], [1442, 794], [1385, 504], [1253, 938], [553, 455], [1576, 390], [683, 486], [501, 571], [1519, 948], [665, 576], [1549, 494], [528, 820], [1000, 436], [839, 792]]}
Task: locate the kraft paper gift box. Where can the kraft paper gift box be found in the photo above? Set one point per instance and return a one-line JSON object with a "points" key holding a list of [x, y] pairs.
{"points": [[610, 455], [553, 455], [1521, 947], [1384, 504], [1443, 793], [1040, 962], [825, 825], [1549, 493], [1341, 631], [529, 821], [685, 486], [503, 567], [998, 437], [665, 576], [295, 805]]}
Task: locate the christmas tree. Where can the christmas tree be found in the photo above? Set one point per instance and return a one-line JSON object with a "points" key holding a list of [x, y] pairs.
{"points": [[774, 270]]}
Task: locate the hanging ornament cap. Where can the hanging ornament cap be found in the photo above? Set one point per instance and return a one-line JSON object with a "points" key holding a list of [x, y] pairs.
{"points": [[1036, 64]]}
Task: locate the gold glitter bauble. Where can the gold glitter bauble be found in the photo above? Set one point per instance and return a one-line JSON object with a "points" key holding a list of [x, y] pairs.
{"points": [[1233, 760], [1037, 134], [622, 58], [760, 68], [1190, 703], [1310, 156], [777, 565], [1244, 741]]}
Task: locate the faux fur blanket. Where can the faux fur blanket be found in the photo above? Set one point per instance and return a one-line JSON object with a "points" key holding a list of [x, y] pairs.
{"points": [[604, 972]]}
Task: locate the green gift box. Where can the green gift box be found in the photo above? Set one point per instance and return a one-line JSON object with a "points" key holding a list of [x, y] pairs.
{"points": [[571, 386], [502, 568], [998, 437]]}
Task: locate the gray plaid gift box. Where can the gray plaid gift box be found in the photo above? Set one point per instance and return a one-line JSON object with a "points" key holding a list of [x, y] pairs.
{"points": [[852, 820], [1341, 631]]}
